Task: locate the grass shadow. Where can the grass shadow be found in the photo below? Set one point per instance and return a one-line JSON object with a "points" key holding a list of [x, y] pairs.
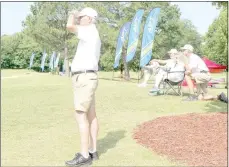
{"points": [[172, 93], [216, 106], [110, 141]]}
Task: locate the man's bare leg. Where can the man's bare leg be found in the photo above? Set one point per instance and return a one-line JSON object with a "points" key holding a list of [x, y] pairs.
{"points": [[83, 124], [192, 96], [205, 95], [94, 127], [190, 84], [159, 77], [146, 77]]}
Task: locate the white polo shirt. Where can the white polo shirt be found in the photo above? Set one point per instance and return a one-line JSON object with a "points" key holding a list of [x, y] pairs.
{"points": [[88, 49], [177, 69], [197, 64]]}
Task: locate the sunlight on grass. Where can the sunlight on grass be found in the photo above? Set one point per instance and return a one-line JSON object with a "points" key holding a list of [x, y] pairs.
{"points": [[38, 127]]}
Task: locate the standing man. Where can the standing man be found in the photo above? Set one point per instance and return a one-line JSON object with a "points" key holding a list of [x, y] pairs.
{"points": [[84, 69]]}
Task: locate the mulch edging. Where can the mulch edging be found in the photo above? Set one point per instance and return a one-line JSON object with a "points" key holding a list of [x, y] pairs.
{"points": [[195, 139]]}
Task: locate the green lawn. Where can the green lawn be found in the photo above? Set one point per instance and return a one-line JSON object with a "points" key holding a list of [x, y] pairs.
{"points": [[38, 127]]}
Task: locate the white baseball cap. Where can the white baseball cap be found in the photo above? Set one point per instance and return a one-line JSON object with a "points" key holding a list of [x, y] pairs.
{"points": [[88, 12], [173, 51], [187, 47]]}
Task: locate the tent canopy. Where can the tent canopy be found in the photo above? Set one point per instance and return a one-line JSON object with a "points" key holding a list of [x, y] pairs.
{"points": [[213, 65]]}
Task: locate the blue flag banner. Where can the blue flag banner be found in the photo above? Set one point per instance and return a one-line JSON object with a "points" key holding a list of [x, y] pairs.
{"points": [[148, 36], [31, 60], [121, 39], [57, 61], [51, 62], [133, 35], [43, 61]]}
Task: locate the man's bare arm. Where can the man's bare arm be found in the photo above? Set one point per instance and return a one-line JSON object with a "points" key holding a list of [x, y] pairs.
{"points": [[71, 26], [187, 69], [163, 62]]}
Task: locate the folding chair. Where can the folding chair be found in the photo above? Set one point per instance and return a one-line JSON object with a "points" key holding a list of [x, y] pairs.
{"points": [[175, 86]]}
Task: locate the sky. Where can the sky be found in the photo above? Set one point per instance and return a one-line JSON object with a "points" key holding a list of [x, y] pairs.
{"points": [[12, 15], [201, 14]]}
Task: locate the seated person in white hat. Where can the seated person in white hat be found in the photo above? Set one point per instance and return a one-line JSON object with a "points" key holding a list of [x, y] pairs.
{"points": [[154, 67], [173, 70], [197, 70]]}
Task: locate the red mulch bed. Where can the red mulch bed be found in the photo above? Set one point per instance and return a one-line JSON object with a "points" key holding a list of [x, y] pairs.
{"points": [[194, 139]]}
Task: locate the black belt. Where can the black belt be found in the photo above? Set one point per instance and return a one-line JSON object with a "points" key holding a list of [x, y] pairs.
{"points": [[203, 71], [84, 71]]}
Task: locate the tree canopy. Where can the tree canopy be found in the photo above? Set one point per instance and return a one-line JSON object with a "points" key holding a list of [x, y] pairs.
{"points": [[215, 42], [45, 29]]}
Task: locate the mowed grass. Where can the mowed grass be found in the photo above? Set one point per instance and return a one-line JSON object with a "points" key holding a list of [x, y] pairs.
{"points": [[38, 126]]}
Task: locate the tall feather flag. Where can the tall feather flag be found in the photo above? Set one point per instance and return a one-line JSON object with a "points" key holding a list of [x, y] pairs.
{"points": [[148, 36], [51, 62], [31, 60], [43, 61], [133, 35], [124, 31], [57, 61]]}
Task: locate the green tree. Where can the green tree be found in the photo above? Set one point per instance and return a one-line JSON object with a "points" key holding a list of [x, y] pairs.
{"points": [[222, 4], [47, 25], [171, 31], [9, 45], [215, 42], [16, 51]]}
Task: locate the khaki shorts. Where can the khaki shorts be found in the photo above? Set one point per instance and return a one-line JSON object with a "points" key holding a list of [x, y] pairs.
{"points": [[202, 80], [84, 87]]}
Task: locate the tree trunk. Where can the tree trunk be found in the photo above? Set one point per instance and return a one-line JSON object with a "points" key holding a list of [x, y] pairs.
{"points": [[121, 70], [126, 70], [66, 60]]}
